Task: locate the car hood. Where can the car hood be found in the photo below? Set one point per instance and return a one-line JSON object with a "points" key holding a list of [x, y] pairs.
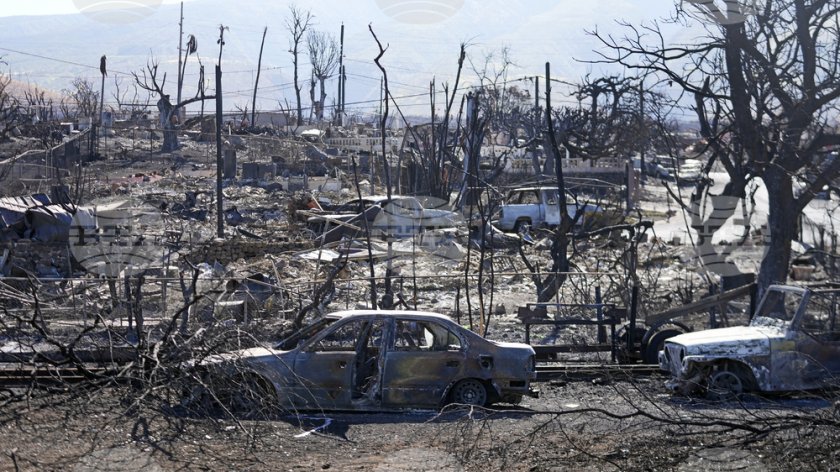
{"points": [[744, 340]]}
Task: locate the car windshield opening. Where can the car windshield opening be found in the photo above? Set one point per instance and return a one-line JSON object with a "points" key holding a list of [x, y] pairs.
{"points": [[780, 305]]}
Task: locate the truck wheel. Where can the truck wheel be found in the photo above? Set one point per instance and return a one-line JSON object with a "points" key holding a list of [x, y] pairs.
{"points": [[517, 227]]}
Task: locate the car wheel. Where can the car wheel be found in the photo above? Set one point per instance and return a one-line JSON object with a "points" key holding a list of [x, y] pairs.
{"points": [[727, 382], [469, 392]]}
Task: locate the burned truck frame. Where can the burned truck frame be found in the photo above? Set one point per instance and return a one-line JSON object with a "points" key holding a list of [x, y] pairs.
{"points": [[792, 343]]}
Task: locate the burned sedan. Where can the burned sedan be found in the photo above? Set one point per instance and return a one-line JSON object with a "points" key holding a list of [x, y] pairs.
{"points": [[372, 360], [792, 343]]}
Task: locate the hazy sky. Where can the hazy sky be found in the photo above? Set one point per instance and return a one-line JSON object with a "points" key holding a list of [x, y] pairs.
{"points": [[38, 51], [54, 7]]}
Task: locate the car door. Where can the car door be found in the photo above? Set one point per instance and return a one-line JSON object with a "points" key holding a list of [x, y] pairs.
{"points": [[550, 207], [324, 368], [818, 341], [423, 359]]}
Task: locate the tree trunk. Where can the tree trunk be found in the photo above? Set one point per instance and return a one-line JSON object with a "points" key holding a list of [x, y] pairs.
{"points": [[560, 240], [297, 87], [782, 224], [323, 99], [313, 109], [535, 162], [706, 223], [170, 132]]}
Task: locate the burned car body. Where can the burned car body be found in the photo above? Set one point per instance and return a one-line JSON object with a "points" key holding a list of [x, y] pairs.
{"points": [[791, 343], [397, 217], [372, 360]]}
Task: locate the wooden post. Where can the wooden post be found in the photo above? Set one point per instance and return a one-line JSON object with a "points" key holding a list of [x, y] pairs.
{"points": [[599, 313], [257, 81], [634, 310]]}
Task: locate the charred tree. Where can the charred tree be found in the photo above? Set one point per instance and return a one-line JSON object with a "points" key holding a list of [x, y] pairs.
{"points": [[298, 23], [324, 56], [766, 83], [148, 80]]}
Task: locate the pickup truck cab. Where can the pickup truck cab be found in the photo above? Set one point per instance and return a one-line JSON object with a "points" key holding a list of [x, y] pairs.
{"points": [[537, 206]]}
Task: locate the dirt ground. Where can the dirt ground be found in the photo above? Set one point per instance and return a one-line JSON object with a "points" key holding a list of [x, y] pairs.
{"points": [[581, 424]]}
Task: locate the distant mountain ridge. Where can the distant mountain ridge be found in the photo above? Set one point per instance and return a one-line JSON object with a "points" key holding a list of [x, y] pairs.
{"points": [[536, 32]]}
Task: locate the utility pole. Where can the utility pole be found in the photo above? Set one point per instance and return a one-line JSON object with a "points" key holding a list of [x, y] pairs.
{"points": [[340, 107], [180, 52], [537, 98], [103, 70], [221, 43], [257, 82], [220, 221]]}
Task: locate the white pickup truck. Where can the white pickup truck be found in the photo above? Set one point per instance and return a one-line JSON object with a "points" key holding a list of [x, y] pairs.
{"points": [[536, 206]]}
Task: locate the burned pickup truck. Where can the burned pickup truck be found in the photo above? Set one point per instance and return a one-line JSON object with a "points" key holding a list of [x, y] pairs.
{"points": [[537, 206], [792, 343]]}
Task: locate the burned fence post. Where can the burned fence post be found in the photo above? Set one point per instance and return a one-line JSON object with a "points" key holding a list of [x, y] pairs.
{"points": [[634, 307], [599, 313]]}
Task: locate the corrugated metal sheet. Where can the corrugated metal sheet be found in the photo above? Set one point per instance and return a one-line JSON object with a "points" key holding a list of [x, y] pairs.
{"points": [[13, 209]]}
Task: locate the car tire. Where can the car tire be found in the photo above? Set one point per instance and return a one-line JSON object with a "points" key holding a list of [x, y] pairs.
{"points": [[469, 392], [728, 381]]}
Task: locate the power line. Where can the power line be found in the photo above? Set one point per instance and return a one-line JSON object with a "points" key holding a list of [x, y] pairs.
{"points": [[88, 66]]}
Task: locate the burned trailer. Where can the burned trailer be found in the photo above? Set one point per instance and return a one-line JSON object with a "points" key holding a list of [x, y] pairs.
{"points": [[620, 330], [369, 361], [792, 343]]}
